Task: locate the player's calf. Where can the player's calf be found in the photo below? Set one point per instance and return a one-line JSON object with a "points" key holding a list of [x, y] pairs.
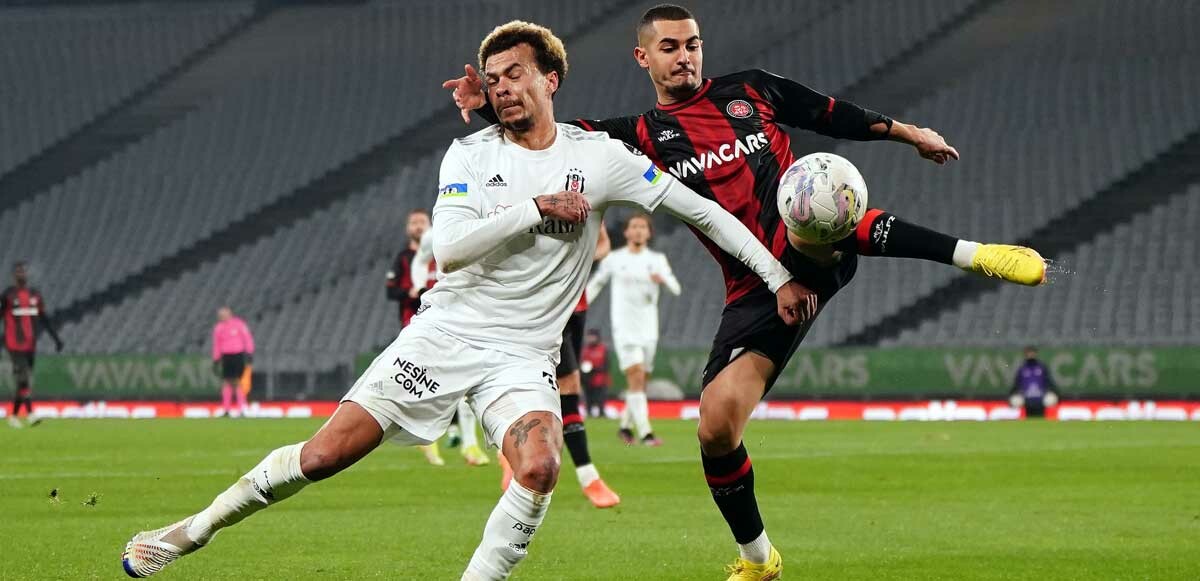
{"points": [[532, 445]]}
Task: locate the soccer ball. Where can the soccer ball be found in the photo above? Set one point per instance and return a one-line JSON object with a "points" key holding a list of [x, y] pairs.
{"points": [[821, 198]]}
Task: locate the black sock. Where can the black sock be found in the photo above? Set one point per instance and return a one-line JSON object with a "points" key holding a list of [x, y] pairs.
{"points": [[16, 406], [731, 481], [883, 234], [28, 406], [574, 435]]}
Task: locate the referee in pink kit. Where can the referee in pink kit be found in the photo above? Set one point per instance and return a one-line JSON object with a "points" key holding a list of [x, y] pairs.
{"points": [[232, 350]]}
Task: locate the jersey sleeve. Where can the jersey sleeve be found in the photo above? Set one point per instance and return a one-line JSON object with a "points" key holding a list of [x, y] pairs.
{"points": [[799, 106], [462, 233], [633, 179], [419, 271], [668, 275], [623, 129]]}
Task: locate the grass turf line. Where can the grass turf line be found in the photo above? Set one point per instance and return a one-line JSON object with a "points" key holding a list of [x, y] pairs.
{"points": [[842, 500]]}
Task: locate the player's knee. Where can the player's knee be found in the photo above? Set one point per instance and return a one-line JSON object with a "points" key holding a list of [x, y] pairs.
{"points": [[540, 472], [717, 438]]}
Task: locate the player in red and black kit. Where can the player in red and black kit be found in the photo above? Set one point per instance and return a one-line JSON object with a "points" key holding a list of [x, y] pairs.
{"points": [[593, 363], [570, 383], [400, 288], [722, 137], [24, 317], [399, 279]]}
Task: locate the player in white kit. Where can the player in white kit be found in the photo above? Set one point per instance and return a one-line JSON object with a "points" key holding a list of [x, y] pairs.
{"points": [[516, 260], [638, 274]]}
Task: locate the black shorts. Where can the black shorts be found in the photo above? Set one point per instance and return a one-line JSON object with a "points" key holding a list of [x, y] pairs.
{"points": [[22, 365], [752, 323], [572, 344], [233, 365]]}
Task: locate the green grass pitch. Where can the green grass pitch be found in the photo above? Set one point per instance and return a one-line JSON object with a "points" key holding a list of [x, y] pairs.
{"points": [[842, 500]]}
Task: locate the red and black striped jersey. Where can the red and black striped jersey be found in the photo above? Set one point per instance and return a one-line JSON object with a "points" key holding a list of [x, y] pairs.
{"points": [[23, 310], [726, 143]]}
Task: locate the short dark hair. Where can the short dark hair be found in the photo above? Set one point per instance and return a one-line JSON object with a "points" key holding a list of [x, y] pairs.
{"points": [[548, 50], [417, 211], [663, 12], [20, 264]]}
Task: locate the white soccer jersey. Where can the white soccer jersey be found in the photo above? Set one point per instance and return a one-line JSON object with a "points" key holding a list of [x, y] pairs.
{"points": [[634, 293], [512, 278]]}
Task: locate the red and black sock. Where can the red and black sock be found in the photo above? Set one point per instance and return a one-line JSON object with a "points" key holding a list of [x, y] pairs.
{"points": [[574, 435], [883, 234], [731, 481]]}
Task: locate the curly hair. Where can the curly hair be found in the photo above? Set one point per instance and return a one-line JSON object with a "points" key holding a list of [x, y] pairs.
{"points": [[548, 50]]}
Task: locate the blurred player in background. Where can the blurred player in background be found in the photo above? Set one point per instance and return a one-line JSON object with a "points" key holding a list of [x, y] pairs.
{"points": [[399, 285], [400, 288], [232, 352], [722, 137], [25, 317], [570, 384], [506, 250], [593, 366], [1033, 387], [424, 273], [638, 274]]}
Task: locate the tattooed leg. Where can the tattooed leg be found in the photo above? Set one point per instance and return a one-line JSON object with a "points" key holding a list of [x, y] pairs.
{"points": [[532, 445]]}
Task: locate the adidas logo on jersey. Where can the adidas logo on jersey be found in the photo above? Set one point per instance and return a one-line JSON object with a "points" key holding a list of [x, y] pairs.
{"points": [[496, 182], [666, 134]]}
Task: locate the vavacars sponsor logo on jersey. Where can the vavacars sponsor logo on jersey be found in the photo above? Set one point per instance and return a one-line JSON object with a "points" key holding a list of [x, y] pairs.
{"points": [[724, 154]]}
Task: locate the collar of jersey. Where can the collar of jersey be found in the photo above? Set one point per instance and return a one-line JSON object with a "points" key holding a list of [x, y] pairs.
{"points": [[536, 153], [692, 99]]}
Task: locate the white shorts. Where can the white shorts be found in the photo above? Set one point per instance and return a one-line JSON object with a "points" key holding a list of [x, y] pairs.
{"points": [[413, 388], [639, 353]]}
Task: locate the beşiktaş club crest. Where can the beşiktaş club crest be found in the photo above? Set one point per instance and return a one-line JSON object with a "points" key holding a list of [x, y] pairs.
{"points": [[739, 109], [574, 181]]}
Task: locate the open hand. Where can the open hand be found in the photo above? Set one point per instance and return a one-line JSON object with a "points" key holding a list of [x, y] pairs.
{"points": [[467, 91]]}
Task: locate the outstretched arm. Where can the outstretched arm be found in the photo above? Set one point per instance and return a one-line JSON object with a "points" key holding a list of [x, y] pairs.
{"points": [[800, 106], [668, 277], [598, 279], [633, 179]]}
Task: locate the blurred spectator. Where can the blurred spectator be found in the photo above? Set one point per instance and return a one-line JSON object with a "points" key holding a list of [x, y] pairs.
{"points": [[594, 367], [1033, 387]]}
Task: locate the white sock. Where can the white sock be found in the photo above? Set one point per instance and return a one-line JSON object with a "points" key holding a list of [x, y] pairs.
{"points": [[507, 534], [627, 413], [277, 477], [587, 474], [640, 411], [756, 551], [466, 423], [964, 251]]}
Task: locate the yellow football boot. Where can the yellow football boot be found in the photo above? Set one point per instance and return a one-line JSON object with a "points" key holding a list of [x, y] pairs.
{"points": [[743, 570], [1012, 263]]}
